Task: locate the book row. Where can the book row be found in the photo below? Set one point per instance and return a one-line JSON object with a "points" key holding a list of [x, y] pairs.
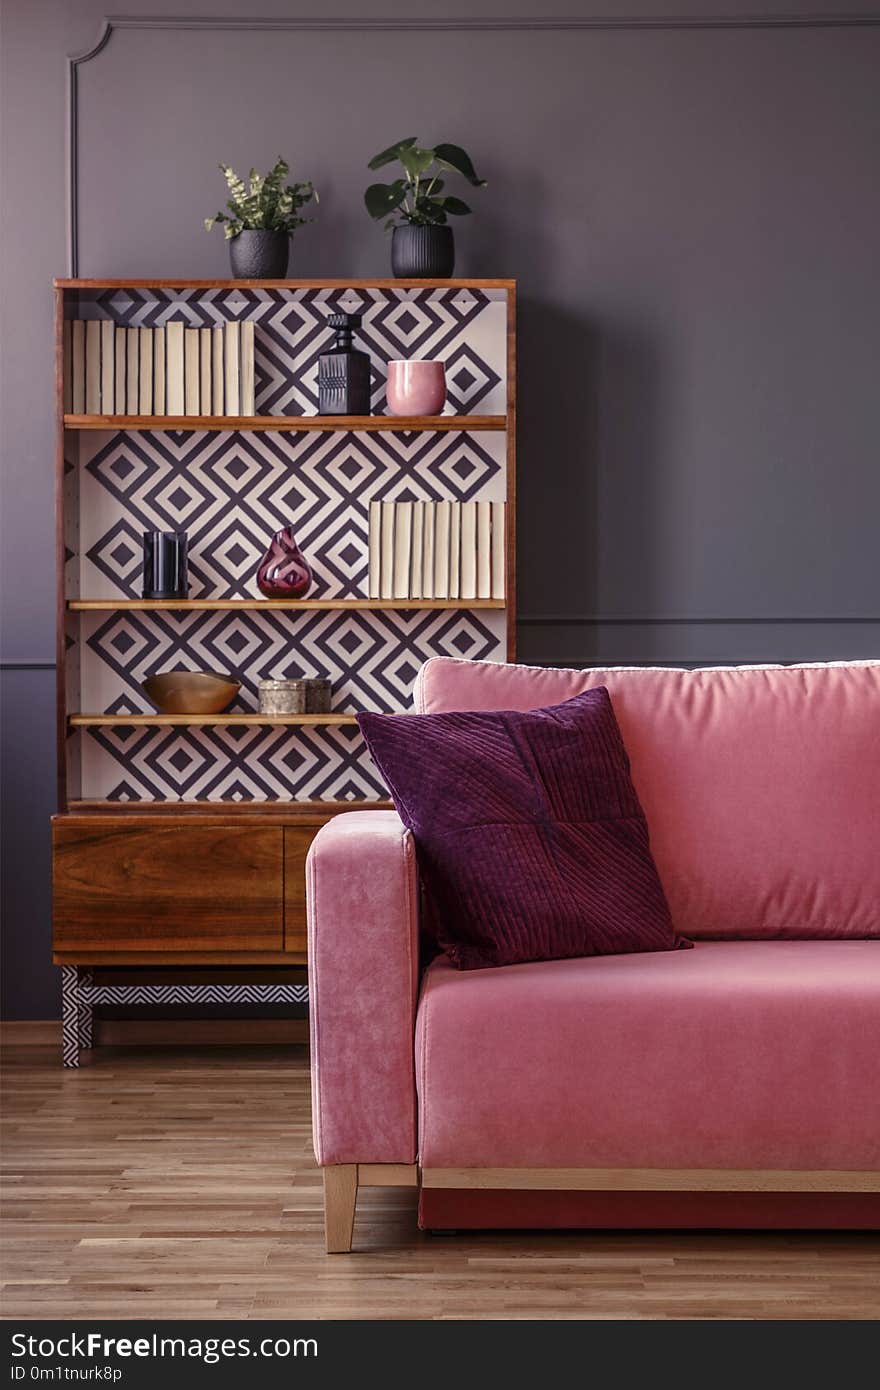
{"points": [[422, 550], [174, 370]]}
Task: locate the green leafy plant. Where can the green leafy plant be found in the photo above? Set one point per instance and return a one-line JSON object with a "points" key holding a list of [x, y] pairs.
{"points": [[265, 204], [418, 195]]}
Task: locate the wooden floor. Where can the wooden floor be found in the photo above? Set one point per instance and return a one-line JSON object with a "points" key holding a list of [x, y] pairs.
{"points": [[181, 1183]]}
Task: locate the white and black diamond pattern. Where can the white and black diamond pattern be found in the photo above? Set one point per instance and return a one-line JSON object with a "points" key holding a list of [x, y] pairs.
{"points": [[230, 492], [465, 328]]}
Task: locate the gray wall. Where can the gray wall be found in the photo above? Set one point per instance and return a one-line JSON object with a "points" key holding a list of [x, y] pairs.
{"points": [[693, 214]]}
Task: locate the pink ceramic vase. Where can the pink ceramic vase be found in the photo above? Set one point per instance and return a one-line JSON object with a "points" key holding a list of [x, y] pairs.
{"points": [[416, 388], [283, 571]]}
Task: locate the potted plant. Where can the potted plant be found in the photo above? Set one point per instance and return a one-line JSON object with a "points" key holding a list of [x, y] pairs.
{"points": [[422, 245], [263, 216]]}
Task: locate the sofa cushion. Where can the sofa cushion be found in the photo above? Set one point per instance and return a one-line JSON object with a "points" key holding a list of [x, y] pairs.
{"points": [[761, 784], [530, 838], [733, 1055]]}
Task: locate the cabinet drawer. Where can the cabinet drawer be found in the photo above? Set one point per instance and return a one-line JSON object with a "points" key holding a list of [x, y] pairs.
{"points": [[149, 886]]}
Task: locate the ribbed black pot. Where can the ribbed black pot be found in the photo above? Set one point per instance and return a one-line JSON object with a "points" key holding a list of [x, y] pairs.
{"points": [[422, 253], [259, 255]]}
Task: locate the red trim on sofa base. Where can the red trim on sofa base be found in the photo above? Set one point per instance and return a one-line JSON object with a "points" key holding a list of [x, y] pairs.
{"points": [[501, 1209]]}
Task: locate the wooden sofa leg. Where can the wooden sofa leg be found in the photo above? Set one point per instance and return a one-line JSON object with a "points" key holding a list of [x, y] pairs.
{"points": [[340, 1197]]}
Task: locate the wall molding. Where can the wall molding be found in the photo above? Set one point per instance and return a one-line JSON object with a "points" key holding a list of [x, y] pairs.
{"points": [[378, 24], [16, 665], [596, 620]]}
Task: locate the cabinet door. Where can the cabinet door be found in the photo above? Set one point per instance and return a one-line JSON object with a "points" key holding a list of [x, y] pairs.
{"points": [[151, 885]]}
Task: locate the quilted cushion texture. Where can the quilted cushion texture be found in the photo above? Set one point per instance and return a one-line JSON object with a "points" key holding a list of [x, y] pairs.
{"points": [[530, 838]]}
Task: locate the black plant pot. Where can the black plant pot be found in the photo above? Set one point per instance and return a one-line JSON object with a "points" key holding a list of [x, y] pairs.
{"points": [[259, 255], [422, 253]]}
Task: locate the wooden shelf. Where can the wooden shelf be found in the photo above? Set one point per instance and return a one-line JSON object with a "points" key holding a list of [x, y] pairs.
{"points": [[107, 605], [303, 812], [187, 283], [85, 721], [326, 423]]}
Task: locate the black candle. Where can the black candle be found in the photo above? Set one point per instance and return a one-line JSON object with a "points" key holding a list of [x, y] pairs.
{"points": [[165, 564]]}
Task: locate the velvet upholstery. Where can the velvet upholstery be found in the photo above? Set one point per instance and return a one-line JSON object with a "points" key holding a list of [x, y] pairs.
{"points": [[761, 785], [733, 1055], [363, 958], [761, 788], [530, 839]]}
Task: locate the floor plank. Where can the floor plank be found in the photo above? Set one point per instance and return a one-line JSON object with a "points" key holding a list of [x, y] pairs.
{"points": [[181, 1183]]}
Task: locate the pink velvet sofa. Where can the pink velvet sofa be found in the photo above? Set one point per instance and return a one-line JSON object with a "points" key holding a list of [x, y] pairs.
{"points": [[735, 1084]]}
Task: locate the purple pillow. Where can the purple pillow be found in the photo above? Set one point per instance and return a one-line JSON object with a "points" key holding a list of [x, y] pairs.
{"points": [[531, 841]]}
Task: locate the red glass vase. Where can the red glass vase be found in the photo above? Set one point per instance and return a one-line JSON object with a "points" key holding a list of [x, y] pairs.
{"points": [[283, 571]]}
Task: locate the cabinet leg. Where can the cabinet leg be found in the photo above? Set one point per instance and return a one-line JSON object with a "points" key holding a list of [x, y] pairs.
{"points": [[85, 1009], [340, 1198], [70, 1015]]}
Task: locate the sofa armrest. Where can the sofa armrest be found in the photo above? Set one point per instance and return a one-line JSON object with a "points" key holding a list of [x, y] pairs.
{"points": [[362, 896]]}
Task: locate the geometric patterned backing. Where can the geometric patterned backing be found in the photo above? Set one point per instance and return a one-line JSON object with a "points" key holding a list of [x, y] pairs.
{"points": [[230, 491], [466, 328]]}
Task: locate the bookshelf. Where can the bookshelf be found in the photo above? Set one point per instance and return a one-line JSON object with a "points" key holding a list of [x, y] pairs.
{"points": [[130, 778]]}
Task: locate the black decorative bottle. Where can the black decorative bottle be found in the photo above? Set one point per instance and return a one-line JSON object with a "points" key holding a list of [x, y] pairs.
{"points": [[344, 372]]}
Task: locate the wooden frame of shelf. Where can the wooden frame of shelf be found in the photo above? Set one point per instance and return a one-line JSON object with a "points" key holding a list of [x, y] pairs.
{"points": [[119, 721], [134, 879], [109, 605], [189, 283], [325, 423]]}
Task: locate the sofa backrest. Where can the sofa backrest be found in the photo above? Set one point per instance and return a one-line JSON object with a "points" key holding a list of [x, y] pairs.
{"points": [[761, 784]]}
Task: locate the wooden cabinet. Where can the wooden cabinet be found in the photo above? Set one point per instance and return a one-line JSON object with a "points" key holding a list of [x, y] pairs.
{"points": [[154, 885], [222, 887], [296, 847]]}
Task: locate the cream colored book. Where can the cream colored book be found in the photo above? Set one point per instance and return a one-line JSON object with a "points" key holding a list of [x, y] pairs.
{"points": [[132, 362], [217, 371], [93, 367], [442, 520], [455, 550], [205, 372], [67, 364], [119, 393], [108, 367], [403, 520], [386, 563], [428, 550], [78, 366], [247, 368], [468, 585], [499, 549], [375, 550], [417, 557], [145, 382], [484, 550], [233, 392], [174, 368], [159, 371], [191, 371]]}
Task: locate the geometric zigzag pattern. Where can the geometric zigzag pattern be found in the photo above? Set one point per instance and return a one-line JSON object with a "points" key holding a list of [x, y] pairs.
{"points": [[459, 326], [79, 995], [230, 492]]}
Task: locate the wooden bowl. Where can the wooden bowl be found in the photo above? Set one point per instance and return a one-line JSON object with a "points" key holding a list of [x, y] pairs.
{"points": [[191, 692]]}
